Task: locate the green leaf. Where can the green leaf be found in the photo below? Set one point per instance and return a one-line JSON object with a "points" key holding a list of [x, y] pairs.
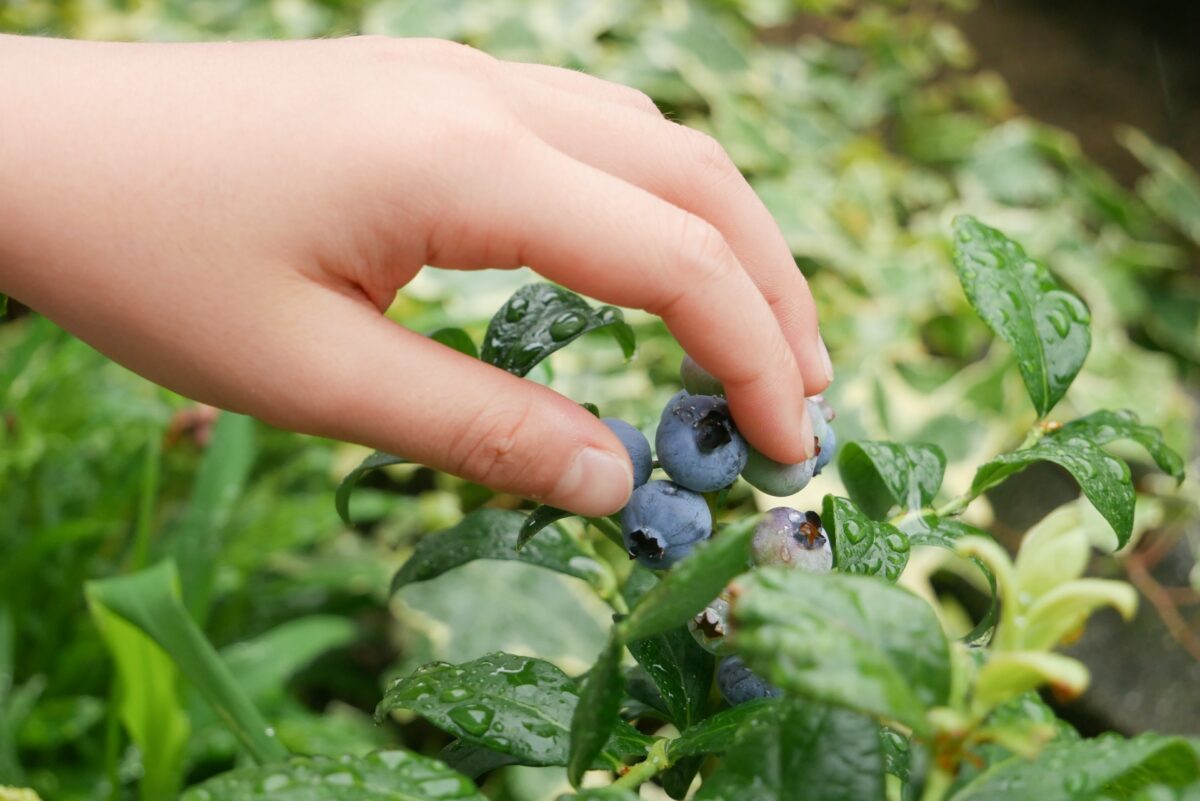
{"points": [[264, 664], [148, 701], [682, 671], [1171, 188], [944, 532], [603, 794], [473, 760], [853, 641], [797, 750], [458, 339], [1068, 771], [1104, 479], [897, 753], [511, 704], [1105, 426], [1019, 719], [716, 734], [3, 304], [598, 710], [862, 546], [692, 584], [150, 601], [341, 498], [541, 318], [56, 722], [1046, 327], [493, 534], [537, 520], [382, 776], [880, 475], [220, 480]]}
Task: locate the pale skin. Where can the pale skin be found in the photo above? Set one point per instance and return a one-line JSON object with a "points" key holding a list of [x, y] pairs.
{"points": [[231, 221]]}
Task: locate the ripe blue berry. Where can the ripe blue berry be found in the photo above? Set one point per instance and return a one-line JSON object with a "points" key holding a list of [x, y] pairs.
{"points": [[710, 628], [698, 381], [739, 684], [781, 480], [636, 444], [698, 444], [663, 522], [792, 538]]}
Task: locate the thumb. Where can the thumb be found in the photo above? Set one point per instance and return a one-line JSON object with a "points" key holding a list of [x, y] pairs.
{"points": [[379, 384]]}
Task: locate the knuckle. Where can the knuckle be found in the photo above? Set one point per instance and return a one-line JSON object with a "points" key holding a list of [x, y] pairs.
{"points": [[641, 100], [705, 252], [711, 161], [488, 448]]}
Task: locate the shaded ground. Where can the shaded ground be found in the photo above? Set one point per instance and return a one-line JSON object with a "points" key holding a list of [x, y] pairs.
{"points": [[1091, 65]]}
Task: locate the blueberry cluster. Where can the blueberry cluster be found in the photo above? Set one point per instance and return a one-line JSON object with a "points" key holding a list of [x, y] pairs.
{"points": [[701, 451]]}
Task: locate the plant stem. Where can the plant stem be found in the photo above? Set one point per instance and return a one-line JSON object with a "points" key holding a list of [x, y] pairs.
{"points": [[655, 763], [936, 784], [955, 506], [609, 529]]}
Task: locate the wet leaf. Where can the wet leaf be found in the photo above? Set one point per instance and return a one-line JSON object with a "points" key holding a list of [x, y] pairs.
{"points": [[862, 546], [797, 750], [1104, 478], [510, 704], [1068, 771], [341, 497], [493, 534], [853, 641], [682, 671], [716, 734], [541, 318], [596, 714], [880, 475], [382, 776], [1046, 327], [458, 339], [1105, 426], [537, 520]]}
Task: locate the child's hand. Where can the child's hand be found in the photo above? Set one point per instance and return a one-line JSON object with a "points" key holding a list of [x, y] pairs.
{"points": [[230, 220]]}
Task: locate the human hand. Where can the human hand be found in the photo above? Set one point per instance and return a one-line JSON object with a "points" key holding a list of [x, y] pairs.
{"points": [[230, 220]]}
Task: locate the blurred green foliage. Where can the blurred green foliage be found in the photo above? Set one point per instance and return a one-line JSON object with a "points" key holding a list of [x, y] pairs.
{"points": [[865, 127]]}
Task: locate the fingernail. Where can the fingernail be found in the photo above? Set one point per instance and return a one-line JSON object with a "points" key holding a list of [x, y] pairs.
{"points": [[826, 362], [597, 483]]}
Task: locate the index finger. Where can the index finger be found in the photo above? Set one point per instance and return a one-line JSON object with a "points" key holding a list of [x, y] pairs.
{"points": [[619, 243]]}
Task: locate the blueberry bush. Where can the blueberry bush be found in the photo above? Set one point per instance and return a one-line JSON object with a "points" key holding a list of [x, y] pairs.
{"points": [[183, 611], [765, 656]]}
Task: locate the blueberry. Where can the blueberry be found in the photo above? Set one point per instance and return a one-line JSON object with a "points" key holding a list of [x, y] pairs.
{"points": [[827, 412], [697, 380], [781, 480], [710, 628], [775, 478], [827, 448], [663, 522], [636, 444], [698, 444], [739, 684], [792, 538]]}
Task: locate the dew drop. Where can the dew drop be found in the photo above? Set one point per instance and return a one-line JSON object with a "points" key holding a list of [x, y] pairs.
{"points": [[566, 325], [452, 694], [473, 718], [516, 310]]}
